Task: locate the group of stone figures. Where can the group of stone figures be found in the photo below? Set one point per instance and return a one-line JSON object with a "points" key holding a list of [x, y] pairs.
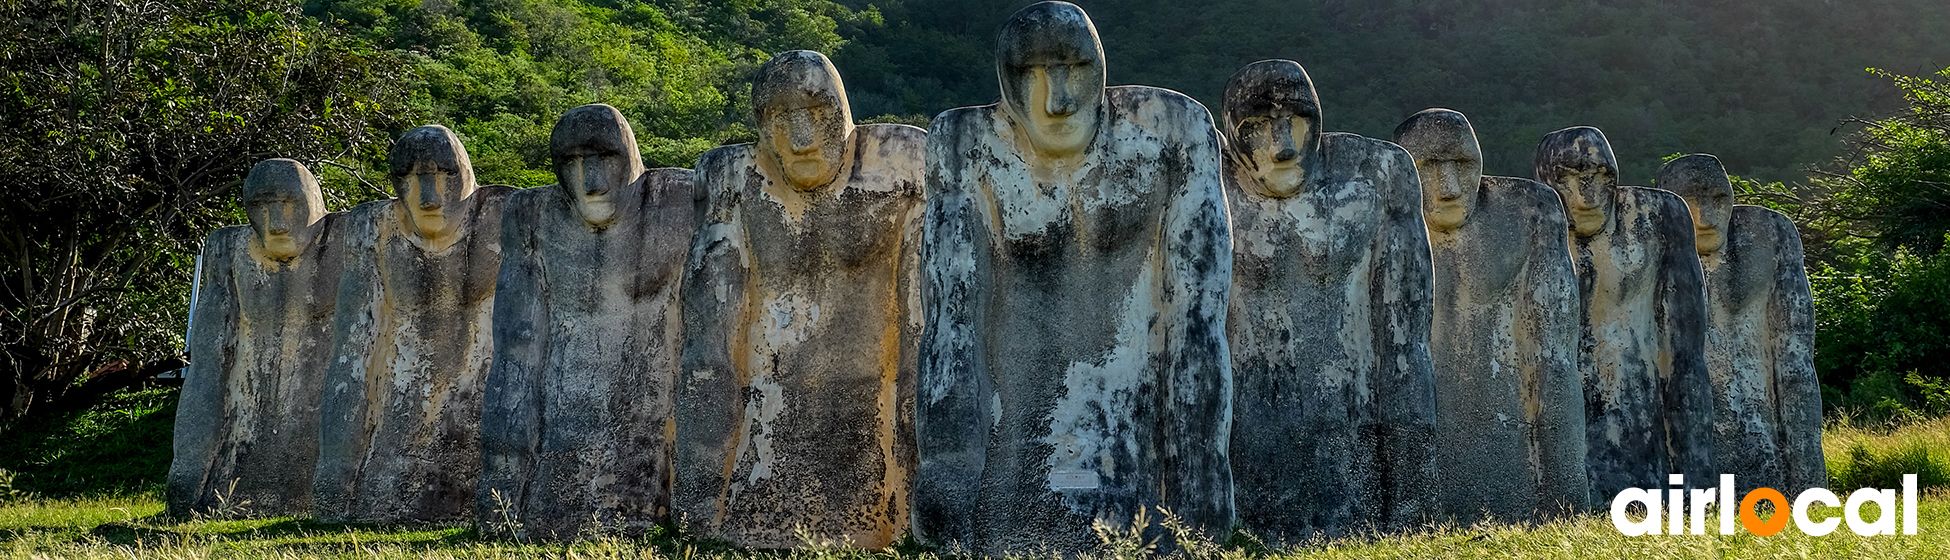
{"points": [[1078, 304]]}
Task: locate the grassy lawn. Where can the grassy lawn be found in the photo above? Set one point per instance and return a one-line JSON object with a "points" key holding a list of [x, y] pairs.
{"points": [[131, 527]]}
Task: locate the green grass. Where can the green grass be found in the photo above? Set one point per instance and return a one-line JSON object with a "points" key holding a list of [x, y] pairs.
{"points": [[87, 488], [130, 527], [1877, 455]]}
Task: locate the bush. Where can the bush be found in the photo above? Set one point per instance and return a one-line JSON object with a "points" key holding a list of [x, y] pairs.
{"points": [[1881, 343], [120, 446]]}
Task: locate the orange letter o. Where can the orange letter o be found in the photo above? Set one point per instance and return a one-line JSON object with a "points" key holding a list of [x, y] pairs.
{"points": [[1751, 520]]}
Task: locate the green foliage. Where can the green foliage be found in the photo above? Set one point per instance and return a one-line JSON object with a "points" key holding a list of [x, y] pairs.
{"points": [[1761, 84], [121, 446], [1879, 321], [128, 123], [1897, 192], [499, 72]]}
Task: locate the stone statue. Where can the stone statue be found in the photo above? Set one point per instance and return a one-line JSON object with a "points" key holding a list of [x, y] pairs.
{"points": [[1760, 333], [399, 435], [1648, 406], [1504, 340], [1073, 363], [1333, 398], [247, 417], [795, 402], [576, 413]]}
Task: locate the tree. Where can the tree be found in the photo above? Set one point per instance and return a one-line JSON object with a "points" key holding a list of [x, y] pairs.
{"points": [[1876, 221], [128, 125]]}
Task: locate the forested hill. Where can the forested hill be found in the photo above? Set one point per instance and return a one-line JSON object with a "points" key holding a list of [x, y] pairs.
{"points": [[1759, 82]]}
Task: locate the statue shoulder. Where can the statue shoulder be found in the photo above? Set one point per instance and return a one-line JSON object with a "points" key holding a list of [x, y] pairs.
{"points": [[1537, 200], [1158, 107], [662, 182], [895, 152], [1762, 218], [1351, 145], [495, 194], [1659, 202], [1751, 221], [952, 124], [892, 134], [1352, 156], [226, 240], [717, 160], [524, 206]]}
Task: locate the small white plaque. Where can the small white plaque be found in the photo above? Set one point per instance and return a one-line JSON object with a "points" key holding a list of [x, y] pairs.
{"points": [[1072, 480]]}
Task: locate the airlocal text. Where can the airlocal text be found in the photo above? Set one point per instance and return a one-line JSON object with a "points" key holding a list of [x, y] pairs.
{"points": [[1679, 502]]}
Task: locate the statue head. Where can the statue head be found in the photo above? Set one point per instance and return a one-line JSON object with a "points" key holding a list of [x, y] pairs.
{"points": [[803, 120], [1272, 125], [1449, 162], [1051, 67], [1578, 162], [431, 175], [595, 160], [1703, 182], [282, 199]]}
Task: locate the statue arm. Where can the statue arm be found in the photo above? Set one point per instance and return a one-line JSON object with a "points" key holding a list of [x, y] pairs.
{"points": [[511, 400], [1791, 318], [200, 407], [709, 407], [343, 438], [1548, 313], [1197, 277], [952, 419], [1402, 301], [1681, 314]]}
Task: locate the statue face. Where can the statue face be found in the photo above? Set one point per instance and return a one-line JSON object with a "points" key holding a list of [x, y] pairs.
{"points": [[1703, 182], [1449, 162], [595, 159], [1578, 162], [803, 121], [1275, 144], [283, 203], [431, 174], [1272, 118], [1050, 64]]}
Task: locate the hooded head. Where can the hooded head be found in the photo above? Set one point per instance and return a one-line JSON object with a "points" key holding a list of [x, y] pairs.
{"points": [[1449, 162], [283, 203], [804, 123], [1703, 182], [431, 175], [595, 160], [1578, 162], [1051, 67], [1272, 125]]}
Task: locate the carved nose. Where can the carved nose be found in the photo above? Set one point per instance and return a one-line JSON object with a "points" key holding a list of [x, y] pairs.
{"points": [[585, 174], [1286, 155], [430, 194], [802, 135]]}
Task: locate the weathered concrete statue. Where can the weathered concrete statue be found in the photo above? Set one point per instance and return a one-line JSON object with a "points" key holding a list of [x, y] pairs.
{"points": [[247, 417], [1333, 398], [399, 435], [795, 402], [577, 408], [1760, 332], [1509, 403], [1648, 406], [1073, 366]]}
